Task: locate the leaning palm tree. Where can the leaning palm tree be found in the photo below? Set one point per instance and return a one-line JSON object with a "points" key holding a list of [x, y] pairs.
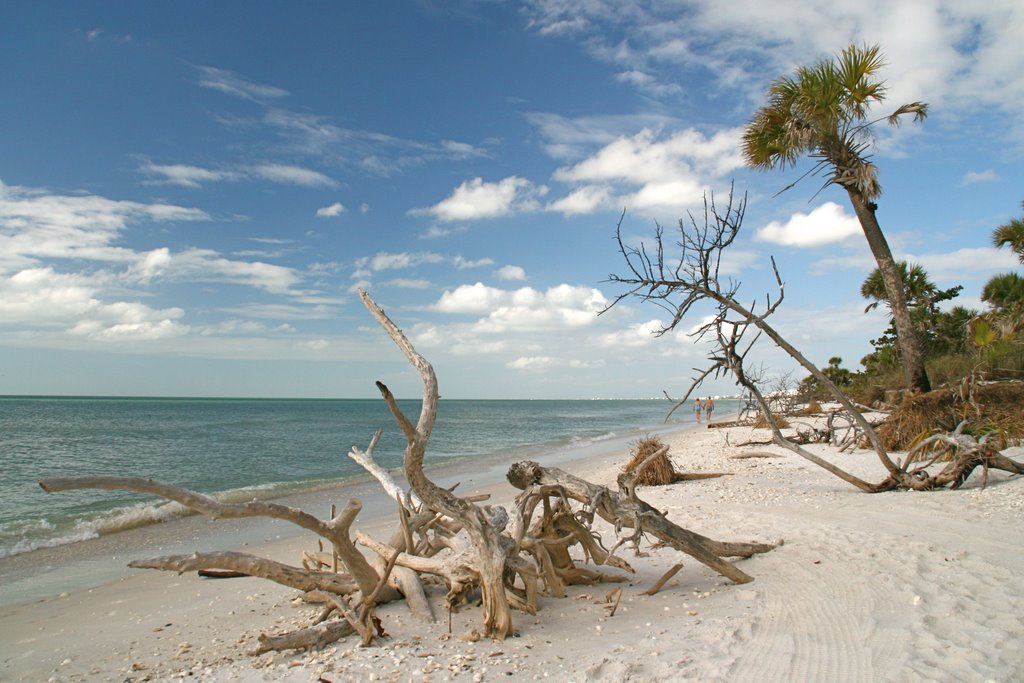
{"points": [[822, 111]]}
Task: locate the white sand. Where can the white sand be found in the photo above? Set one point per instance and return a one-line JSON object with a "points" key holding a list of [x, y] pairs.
{"points": [[884, 587]]}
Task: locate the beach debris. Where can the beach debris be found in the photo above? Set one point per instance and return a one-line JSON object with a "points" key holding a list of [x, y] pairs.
{"points": [[220, 574], [664, 579], [649, 457], [625, 510], [918, 416], [615, 593], [483, 554], [683, 273]]}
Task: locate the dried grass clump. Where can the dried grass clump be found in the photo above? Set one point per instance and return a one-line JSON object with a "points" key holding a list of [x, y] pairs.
{"points": [[997, 408], [659, 471], [812, 408], [762, 423]]}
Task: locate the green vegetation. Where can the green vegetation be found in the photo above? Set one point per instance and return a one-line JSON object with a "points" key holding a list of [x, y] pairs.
{"points": [[958, 344]]}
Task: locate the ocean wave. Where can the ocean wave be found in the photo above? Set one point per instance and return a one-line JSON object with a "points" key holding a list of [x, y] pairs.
{"points": [[26, 545], [28, 535]]}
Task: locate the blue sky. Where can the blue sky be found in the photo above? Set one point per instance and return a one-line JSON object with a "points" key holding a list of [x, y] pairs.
{"points": [[191, 192]]}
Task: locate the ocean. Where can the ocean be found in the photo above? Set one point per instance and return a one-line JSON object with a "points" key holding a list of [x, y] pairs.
{"points": [[240, 449]]}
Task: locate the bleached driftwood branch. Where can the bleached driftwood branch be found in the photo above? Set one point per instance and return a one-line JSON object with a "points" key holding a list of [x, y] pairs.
{"points": [[624, 509], [483, 527]]}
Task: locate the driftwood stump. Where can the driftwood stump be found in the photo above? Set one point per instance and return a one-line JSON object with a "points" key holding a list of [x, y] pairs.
{"points": [[625, 510]]}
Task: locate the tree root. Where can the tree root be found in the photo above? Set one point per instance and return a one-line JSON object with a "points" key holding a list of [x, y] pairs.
{"points": [[624, 509]]}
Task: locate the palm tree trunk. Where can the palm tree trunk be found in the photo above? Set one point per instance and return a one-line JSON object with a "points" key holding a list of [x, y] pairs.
{"points": [[909, 342]]}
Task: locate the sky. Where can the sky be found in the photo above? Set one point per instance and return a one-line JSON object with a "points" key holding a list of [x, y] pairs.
{"points": [[191, 193]]}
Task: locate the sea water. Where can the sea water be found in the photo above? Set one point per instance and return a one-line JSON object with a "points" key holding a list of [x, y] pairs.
{"points": [[240, 449]]}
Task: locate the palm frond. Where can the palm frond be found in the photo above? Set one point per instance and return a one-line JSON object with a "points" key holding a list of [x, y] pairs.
{"points": [[1010, 235], [821, 110], [918, 109]]}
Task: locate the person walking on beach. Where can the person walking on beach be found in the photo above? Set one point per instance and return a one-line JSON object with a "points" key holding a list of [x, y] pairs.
{"points": [[696, 408], [709, 405]]}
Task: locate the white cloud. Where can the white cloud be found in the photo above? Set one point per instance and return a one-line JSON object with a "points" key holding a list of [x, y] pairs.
{"points": [[476, 298], [41, 297], [465, 264], [408, 283], [130, 332], [635, 336], [35, 224], [972, 177], [476, 200], [315, 344], [436, 231], [674, 194], [40, 231], [150, 264], [394, 261], [186, 175], [292, 175], [510, 273], [648, 83], [372, 151], [826, 224], [559, 307], [195, 176], [230, 83], [583, 200], [649, 171], [975, 263], [275, 311], [737, 261], [367, 265], [643, 158], [204, 265], [960, 57], [335, 209], [531, 363], [574, 138], [564, 26]]}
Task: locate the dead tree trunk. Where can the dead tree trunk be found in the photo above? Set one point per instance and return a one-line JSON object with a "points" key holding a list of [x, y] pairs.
{"points": [[679, 286], [482, 526]]}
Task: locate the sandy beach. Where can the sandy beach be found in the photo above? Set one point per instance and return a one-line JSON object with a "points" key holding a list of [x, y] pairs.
{"points": [[884, 587]]}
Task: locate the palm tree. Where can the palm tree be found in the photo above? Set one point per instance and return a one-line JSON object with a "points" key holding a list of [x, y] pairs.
{"points": [[1004, 292], [918, 288], [1010, 235], [822, 111], [923, 299]]}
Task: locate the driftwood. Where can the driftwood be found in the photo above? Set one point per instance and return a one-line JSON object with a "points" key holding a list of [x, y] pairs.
{"points": [[660, 583], [693, 280], [481, 552], [487, 559], [286, 575], [359, 580], [625, 510]]}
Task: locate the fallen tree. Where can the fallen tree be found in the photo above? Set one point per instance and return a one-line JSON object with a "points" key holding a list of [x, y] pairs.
{"points": [[506, 560], [692, 278]]}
